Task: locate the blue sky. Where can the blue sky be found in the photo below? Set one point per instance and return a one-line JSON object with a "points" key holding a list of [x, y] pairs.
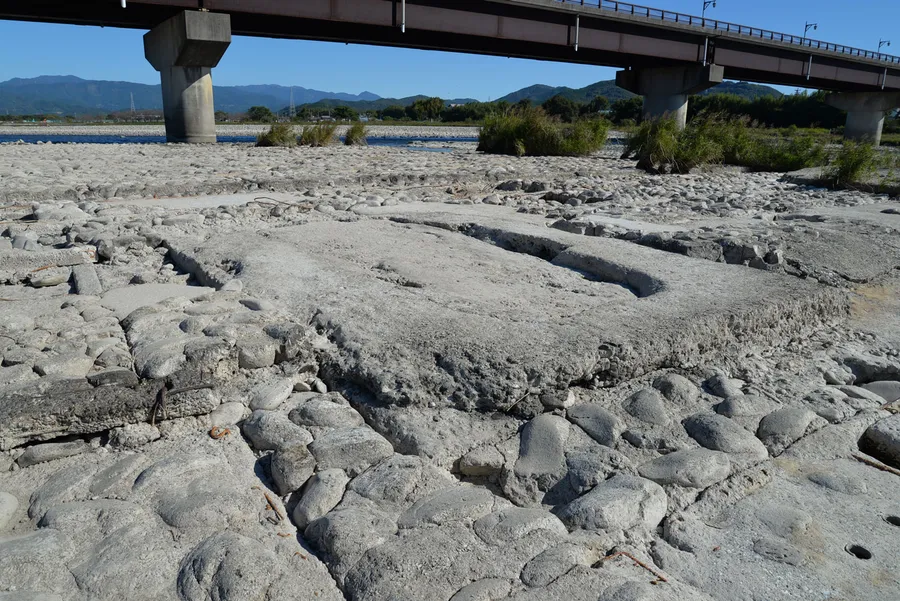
{"points": [[30, 49]]}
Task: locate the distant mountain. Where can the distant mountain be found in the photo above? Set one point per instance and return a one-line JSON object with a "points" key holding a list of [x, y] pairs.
{"points": [[72, 95], [750, 91], [378, 104], [67, 94], [539, 94]]}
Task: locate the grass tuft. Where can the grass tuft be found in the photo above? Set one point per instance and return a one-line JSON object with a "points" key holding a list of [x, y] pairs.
{"points": [[321, 134], [279, 134], [660, 147], [356, 135], [530, 132], [855, 163]]}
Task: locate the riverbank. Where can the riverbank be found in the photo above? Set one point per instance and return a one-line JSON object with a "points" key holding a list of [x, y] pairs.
{"points": [[238, 130]]}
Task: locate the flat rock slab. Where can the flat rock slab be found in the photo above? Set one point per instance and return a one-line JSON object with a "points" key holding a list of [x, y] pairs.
{"points": [[473, 309], [46, 410], [123, 301]]}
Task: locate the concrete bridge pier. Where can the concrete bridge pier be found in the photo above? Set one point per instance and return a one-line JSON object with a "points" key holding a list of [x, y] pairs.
{"points": [[865, 113], [666, 89], [184, 50]]}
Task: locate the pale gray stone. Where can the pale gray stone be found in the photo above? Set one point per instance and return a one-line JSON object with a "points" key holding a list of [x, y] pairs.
{"points": [[50, 277], [513, 523], [459, 504], [401, 480], [722, 434], [830, 404], [648, 406], [889, 390], [587, 469], [600, 424], [882, 440], [16, 374], [619, 504], [227, 414], [270, 395], [350, 449], [558, 399], [542, 450], [482, 461], [266, 430], [69, 364], [723, 386], [256, 353], [86, 280], [694, 468], [255, 304], [322, 412], [343, 535], [858, 392], [292, 465], [781, 428], [133, 436], [677, 389], [554, 562], [322, 493], [115, 376], [488, 589], [230, 566], [50, 451], [745, 405]]}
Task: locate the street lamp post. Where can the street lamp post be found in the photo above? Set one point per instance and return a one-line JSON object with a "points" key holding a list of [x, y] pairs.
{"points": [[882, 43], [707, 4], [813, 26]]}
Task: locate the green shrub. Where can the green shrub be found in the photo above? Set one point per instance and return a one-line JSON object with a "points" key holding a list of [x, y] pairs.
{"points": [[321, 134], [733, 136], [853, 164], [356, 135], [660, 147], [528, 131], [801, 151], [653, 144], [279, 134]]}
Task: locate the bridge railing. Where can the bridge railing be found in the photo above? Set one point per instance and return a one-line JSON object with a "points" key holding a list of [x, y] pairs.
{"points": [[715, 24]]}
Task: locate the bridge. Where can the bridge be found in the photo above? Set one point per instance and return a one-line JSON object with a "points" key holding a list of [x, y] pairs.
{"points": [[664, 56]]}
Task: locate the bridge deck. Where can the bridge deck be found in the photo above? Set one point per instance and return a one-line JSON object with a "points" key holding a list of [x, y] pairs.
{"points": [[598, 32]]}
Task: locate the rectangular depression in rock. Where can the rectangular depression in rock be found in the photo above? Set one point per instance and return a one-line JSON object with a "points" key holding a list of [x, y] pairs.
{"points": [[451, 308]]}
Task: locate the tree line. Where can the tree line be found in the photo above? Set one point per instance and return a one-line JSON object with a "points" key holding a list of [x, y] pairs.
{"points": [[799, 109]]}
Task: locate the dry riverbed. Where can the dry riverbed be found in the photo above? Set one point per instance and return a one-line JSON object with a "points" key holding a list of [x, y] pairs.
{"points": [[373, 374]]}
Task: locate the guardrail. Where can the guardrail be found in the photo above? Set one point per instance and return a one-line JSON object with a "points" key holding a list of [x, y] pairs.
{"points": [[756, 32]]}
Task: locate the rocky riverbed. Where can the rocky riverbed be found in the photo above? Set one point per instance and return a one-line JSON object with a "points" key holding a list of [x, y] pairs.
{"points": [[378, 374]]}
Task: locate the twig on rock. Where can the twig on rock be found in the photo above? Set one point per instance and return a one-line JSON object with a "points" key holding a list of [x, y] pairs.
{"points": [[216, 432], [274, 507], [44, 267], [876, 464], [159, 406], [638, 562]]}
